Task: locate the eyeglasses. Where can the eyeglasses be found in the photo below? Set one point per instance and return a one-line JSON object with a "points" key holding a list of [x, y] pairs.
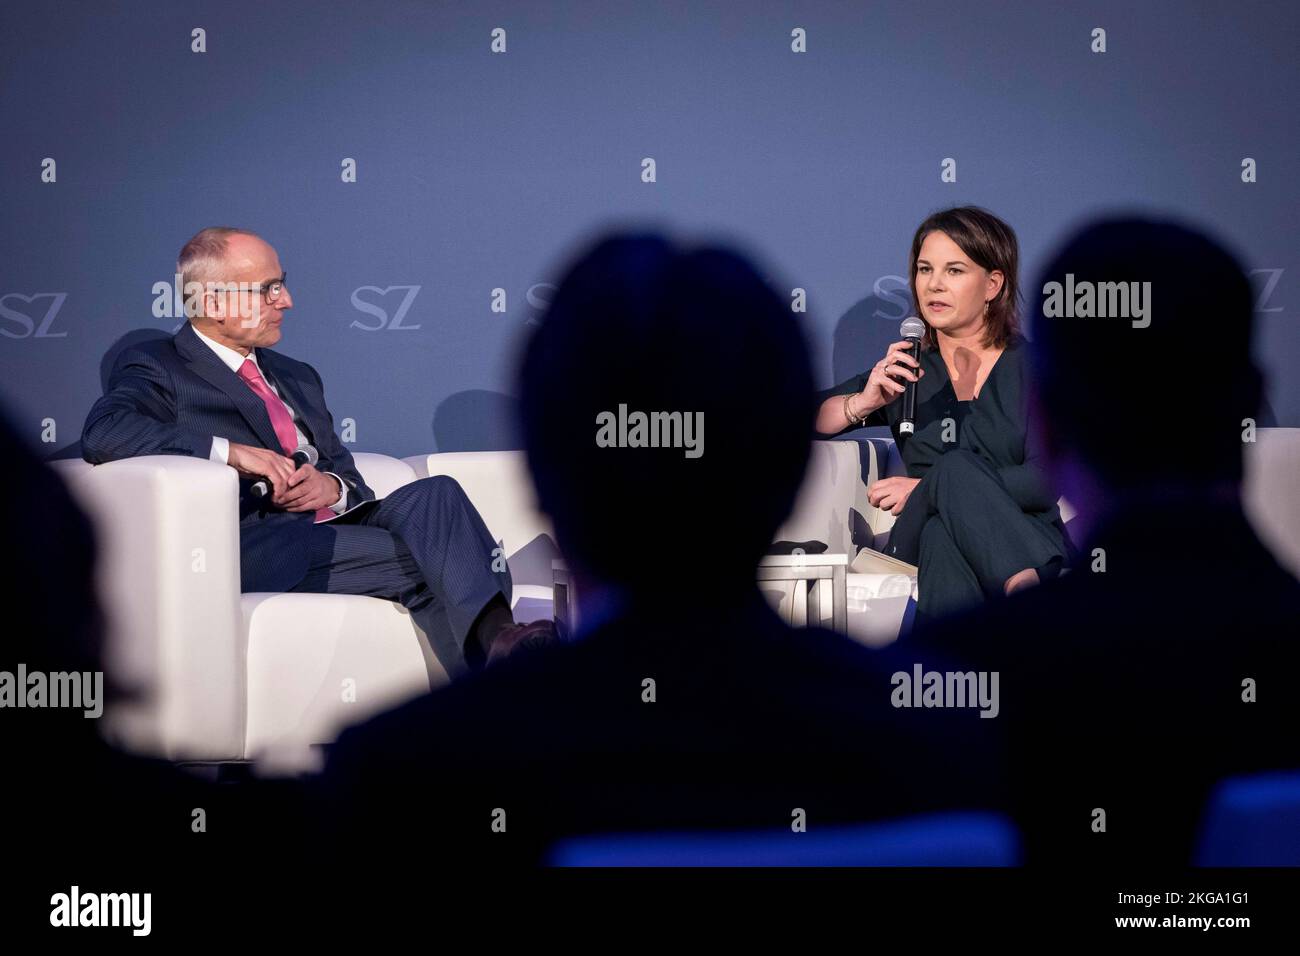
{"points": [[274, 288]]}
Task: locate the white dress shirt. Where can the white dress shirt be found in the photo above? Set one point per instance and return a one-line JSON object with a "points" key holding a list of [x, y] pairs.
{"points": [[221, 446]]}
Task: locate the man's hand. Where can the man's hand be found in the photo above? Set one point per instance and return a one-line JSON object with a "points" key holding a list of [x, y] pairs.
{"points": [[254, 462], [308, 490], [891, 493]]}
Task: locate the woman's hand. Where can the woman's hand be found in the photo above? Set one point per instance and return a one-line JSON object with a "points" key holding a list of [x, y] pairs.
{"points": [[891, 494], [884, 384], [885, 381]]}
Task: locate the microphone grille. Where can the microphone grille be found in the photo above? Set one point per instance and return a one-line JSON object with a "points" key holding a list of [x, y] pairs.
{"points": [[310, 451], [912, 328]]}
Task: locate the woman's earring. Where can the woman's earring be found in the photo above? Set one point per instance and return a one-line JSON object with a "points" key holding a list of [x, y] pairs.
{"points": [[986, 308]]}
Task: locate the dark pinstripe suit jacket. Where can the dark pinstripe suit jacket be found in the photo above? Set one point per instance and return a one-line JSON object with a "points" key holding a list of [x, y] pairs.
{"points": [[170, 397]]}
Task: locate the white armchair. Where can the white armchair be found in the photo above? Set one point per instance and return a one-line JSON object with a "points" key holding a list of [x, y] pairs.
{"points": [[227, 676]]}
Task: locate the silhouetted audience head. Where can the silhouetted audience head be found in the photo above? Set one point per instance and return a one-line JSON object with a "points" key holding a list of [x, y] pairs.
{"points": [[47, 561], [1155, 396], [639, 325]]}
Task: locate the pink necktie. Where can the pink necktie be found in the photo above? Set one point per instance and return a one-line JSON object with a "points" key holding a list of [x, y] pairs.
{"points": [[280, 418]]}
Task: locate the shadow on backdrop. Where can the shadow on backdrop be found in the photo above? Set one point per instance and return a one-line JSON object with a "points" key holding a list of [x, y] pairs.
{"points": [[107, 361], [476, 420]]}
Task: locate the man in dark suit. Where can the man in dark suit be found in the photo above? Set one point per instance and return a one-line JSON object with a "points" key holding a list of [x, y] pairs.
{"points": [[1167, 660], [682, 702], [216, 390]]}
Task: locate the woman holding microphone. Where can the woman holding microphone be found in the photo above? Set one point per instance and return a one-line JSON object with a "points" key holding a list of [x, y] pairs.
{"points": [[974, 513]]}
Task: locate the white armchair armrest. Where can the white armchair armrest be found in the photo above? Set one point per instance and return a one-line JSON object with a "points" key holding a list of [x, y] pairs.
{"points": [[168, 570]]}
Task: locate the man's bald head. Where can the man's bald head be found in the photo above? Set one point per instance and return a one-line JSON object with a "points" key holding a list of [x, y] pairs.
{"points": [[222, 257], [203, 259]]}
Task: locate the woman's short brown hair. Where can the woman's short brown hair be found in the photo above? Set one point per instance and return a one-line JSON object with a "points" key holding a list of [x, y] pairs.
{"points": [[991, 245]]}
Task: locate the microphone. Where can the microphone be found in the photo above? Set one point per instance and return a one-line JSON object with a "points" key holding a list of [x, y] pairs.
{"points": [[912, 329], [304, 455]]}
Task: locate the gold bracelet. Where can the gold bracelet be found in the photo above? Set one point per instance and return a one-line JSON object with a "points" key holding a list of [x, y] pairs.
{"points": [[848, 410]]}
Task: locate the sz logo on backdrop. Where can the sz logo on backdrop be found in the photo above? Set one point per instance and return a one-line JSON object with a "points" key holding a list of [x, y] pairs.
{"points": [[1266, 286], [376, 303], [388, 312], [32, 320], [539, 300], [896, 291]]}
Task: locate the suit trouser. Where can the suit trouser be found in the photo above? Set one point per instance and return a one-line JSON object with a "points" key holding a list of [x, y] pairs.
{"points": [[424, 546], [970, 536]]}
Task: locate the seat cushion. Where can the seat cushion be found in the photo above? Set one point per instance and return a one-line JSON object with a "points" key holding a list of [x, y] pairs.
{"points": [[383, 474], [320, 662]]}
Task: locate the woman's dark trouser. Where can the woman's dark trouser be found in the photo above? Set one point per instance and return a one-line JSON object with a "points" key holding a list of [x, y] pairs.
{"points": [[967, 536]]}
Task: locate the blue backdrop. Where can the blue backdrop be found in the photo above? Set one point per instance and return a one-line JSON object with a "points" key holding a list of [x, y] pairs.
{"points": [[479, 170]]}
